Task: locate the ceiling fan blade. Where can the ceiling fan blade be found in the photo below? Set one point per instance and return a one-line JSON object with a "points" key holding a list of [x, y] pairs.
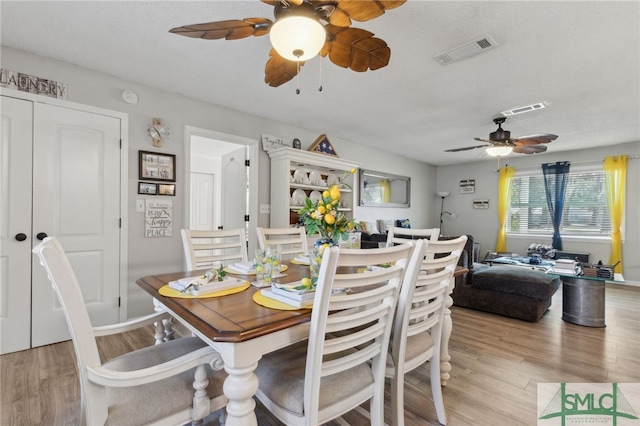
{"points": [[483, 140], [229, 30], [466, 148], [529, 149], [355, 48], [347, 10], [278, 70], [535, 139]]}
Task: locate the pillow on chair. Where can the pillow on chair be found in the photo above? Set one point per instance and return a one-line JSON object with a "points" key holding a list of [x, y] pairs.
{"points": [[369, 227], [403, 223], [384, 225]]}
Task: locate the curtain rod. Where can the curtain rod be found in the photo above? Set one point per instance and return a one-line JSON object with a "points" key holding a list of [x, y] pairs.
{"points": [[629, 157]]}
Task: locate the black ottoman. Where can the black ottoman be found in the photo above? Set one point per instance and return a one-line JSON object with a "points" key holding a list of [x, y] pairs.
{"points": [[516, 292]]}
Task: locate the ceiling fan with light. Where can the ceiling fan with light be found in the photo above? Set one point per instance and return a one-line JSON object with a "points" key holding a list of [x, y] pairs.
{"points": [[305, 28], [501, 144]]}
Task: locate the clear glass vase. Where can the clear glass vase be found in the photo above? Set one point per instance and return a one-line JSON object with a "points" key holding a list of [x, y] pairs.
{"points": [[316, 257]]}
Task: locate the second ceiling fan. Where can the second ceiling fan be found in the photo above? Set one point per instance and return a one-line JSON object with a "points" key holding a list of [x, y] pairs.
{"points": [[501, 143]]}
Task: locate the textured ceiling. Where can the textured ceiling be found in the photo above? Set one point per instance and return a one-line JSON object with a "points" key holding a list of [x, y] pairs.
{"points": [[581, 58]]}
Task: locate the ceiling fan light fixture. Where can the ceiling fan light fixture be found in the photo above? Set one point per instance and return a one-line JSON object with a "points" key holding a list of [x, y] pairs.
{"points": [[499, 150], [297, 38]]}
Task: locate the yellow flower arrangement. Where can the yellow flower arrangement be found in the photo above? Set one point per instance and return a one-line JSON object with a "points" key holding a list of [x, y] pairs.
{"points": [[323, 216]]}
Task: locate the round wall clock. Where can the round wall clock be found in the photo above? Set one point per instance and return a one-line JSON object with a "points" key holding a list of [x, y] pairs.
{"points": [[158, 132]]}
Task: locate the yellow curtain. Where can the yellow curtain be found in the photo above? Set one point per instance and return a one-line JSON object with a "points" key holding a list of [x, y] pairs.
{"points": [[385, 190], [504, 190], [615, 173]]}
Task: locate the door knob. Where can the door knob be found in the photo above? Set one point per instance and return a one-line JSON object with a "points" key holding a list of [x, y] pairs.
{"points": [[41, 236], [21, 237], [220, 227]]}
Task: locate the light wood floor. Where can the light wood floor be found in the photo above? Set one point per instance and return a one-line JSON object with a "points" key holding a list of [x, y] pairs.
{"points": [[497, 364]]}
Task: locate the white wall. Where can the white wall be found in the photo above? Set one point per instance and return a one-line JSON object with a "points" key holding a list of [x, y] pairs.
{"points": [[153, 255], [482, 224]]}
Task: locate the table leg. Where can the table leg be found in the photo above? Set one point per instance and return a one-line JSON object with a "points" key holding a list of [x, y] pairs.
{"points": [[447, 326], [239, 388]]}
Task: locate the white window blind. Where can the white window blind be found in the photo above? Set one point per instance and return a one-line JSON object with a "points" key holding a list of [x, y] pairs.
{"points": [[585, 211]]}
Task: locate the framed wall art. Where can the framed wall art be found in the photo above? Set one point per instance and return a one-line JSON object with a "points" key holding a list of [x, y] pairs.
{"points": [[157, 166], [481, 204], [147, 188], [467, 186], [167, 189]]}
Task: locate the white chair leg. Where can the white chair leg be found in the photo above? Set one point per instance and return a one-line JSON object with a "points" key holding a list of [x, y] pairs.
{"points": [[169, 333], [436, 390], [201, 402], [397, 399], [447, 325], [160, 332]]}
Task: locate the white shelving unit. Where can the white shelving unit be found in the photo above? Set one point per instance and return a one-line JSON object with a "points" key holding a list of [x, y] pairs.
{"points": [[284, 163]]}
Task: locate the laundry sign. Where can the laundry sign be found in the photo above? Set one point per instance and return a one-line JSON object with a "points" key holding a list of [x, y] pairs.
{"points": [[32, 84], [158, 218]]}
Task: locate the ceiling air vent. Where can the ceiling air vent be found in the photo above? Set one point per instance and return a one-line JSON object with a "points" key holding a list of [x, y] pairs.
{"points": [[466, 50], [520, 110]]}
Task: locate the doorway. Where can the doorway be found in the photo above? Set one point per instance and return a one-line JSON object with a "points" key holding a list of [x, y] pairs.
{"points": [[222, 189]]}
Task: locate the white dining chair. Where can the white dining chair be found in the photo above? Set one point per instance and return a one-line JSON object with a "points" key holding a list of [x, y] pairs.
{"points": [[292, 240], [342, 364], [417, 328], [203, 249], [397, 235], [167, 383]]}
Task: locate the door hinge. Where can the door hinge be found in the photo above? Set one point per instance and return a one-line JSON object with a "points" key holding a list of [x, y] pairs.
{"points": [[247, 163], [119, 302], [120, 223], [246, 218], [120, 143]]}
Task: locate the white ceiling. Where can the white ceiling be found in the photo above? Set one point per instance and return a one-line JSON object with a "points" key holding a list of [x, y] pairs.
{"points": [[581, 58]]}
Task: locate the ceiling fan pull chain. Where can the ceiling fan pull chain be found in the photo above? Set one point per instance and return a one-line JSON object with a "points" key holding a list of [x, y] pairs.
{"points": [[298, 78], [320, 86]]}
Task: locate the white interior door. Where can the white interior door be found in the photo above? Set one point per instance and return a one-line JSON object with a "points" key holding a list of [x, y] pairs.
{"points": [[202, 200], [15, 223], [76, 197], [234, 189]]}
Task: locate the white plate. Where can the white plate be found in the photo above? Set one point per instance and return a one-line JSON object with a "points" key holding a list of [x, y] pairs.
{"points": [[299, 196], [299, 176], [315, 196], [315, 178], [332, 179]]}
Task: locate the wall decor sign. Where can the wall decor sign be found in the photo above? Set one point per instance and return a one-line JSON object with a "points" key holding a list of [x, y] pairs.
{"points": [[32, 84], [156, 166], [269, 143], [480, 204], [158, 218], [467, 186]]}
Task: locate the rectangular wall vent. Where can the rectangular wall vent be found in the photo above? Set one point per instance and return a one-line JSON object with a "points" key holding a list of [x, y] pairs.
{"points": [[466, 50], [520, 110]]}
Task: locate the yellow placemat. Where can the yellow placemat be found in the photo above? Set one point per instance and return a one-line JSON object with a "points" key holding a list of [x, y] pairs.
{"points": [[273, 304], [283, 268], [170, 292], [296, 262]]}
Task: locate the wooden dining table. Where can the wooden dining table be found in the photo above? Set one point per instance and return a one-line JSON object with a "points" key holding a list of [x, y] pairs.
{"points": [[241, 330]]}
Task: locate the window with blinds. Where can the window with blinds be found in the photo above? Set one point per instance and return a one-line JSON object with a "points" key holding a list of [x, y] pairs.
{"points": [[585, 210]]}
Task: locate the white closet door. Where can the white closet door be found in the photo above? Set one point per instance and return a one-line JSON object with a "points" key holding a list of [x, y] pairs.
{"points": [[234, 189], [15, 221], [202, 201], [76, 197]]}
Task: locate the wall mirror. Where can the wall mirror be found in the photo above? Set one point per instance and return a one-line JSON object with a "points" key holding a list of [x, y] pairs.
{"points": [[379, 189]]}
